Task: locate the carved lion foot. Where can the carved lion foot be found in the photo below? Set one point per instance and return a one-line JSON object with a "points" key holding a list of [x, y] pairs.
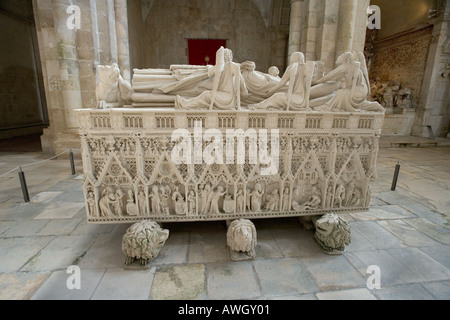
{"points": [[241, 239], [332, 234]]}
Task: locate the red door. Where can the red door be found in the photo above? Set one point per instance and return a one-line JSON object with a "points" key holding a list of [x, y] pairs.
{"points": [[203, 51]]}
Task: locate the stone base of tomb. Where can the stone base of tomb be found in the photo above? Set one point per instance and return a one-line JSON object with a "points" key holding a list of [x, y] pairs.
{"points": [[324, 162]]}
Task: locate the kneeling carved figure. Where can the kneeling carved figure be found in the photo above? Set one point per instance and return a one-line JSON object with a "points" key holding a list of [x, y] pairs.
{"points": [[241, 237], [143, 241], [332, 234]]}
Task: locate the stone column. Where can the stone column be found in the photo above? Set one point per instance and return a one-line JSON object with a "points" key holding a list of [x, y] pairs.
{"points": [[123, 50], [295, 31], [346, 26], [69, 73]]}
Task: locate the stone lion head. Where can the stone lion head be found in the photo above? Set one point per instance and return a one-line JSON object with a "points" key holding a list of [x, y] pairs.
{"points": [[241, 236], [332, 233], [143, 241]]}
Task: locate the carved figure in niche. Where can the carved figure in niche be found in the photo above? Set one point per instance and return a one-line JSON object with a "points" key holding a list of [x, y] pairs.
{"points": [[228, 87], [339, 196], [248, 200], [204, 199], [91, 203], [258, 83], [355, 199], [241, 237], [119, 205], [229, 204], [286, 204], [256, 198], [141, 202], [191, 199], [314, 201], [107, 203], [349, 193], [273, 201], [240, 201], [299, 77], [178, 202], [354, 86], [131, 204], [112, 90], [329, 197], [155, 200], [216, 196]]}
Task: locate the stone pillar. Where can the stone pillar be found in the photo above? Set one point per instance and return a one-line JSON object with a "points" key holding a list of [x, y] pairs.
{"points": [[69, 80], [123, 47], [295, 31], [434, 105], [346, 28]]}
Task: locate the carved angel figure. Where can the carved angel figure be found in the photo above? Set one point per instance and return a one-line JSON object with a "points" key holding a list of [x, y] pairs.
{"points": [[354, 85], [112, 90], [227, 88], [299, 76]]}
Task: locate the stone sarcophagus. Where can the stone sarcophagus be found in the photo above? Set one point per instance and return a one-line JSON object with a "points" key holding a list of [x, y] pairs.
{"points": [[137, 164], [226, 142]]}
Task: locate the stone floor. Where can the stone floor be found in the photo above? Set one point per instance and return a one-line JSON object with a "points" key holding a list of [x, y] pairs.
{"points": [[406, 233]]}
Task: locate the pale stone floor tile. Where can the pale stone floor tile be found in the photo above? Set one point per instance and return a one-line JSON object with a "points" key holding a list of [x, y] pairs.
{"points": [[61, 253], [120, 284], [95, 229], [20, 286], [309, 296], [428, 213], [59, 226], [385, 212], [184, 282], [232, 281], [437, 232], [5, 226], [267, 247], [333, 273], [60, 210], [376, 234], [25, 228], [175, 249], [296, 242], [426, 268], [359, 243], [46, 197], [393, 272], [22, 211], [352, 294], [404, 292], [207, 247], [15, 252], [440, 253], [408, 235], [106, 252], [55, 288], [293, 279], [439, 290]]}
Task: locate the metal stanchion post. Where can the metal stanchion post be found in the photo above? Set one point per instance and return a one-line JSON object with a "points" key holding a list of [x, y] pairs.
{"points": [[72, 163], [396, 174], [23, 184]]}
